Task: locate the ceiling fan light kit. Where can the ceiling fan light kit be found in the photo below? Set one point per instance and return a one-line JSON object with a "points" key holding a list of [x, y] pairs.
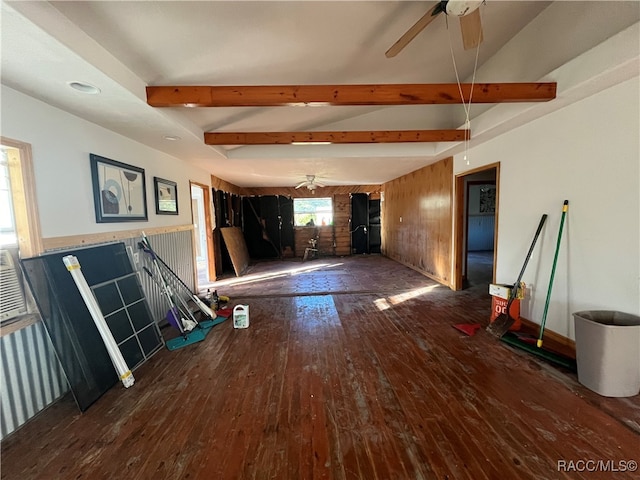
{"points": [[460, 8]]}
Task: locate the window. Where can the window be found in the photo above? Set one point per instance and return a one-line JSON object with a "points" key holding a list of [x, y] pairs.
{"points": [[312, 211], [21, 211], [8, 235], [19, 228]]}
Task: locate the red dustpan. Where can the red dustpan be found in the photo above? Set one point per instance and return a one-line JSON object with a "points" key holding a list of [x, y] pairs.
{"points": [[468, 328]]}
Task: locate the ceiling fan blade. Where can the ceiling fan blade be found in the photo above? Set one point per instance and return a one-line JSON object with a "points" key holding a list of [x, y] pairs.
{"points": [[471, 27], [410, 34], [319, 184], [302, 184]]}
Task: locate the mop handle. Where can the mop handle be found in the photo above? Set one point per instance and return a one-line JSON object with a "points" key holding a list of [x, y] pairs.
{"points": [[201, 305], [163, 284], [565, 208]]}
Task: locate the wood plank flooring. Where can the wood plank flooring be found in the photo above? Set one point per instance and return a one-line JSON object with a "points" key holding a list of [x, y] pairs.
{"points": [[350, 369]]}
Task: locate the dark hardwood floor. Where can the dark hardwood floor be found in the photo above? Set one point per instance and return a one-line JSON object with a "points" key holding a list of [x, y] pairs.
{"points": [[350, 369]]}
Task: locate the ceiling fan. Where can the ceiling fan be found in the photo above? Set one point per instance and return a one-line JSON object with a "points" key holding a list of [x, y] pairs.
{"points": [[470, 24], [310, 183]]}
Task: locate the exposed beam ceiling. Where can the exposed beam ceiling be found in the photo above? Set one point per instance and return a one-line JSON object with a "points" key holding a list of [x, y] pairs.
{"points": [[279, 138], [123, 47], [323, 95]]}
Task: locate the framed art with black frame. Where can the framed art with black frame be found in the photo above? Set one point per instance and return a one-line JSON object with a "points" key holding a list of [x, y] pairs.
{"points": [[119, 191], [166, 196]]}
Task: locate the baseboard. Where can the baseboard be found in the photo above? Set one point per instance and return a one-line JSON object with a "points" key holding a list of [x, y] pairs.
{"points": [[552, 340]]}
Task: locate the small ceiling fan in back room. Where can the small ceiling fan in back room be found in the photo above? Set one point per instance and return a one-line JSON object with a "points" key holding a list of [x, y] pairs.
{"points": [[470, 23], [310, 183]]}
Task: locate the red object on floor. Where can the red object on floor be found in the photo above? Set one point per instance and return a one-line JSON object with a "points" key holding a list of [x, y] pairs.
{"points": [[224, 312], [468, 328]]}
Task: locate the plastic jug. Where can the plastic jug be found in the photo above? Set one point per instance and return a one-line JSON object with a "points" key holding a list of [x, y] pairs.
{"points": [[241, 316]]}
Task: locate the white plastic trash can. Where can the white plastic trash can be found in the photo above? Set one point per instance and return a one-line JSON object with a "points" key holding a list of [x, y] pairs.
{"points": [[608, 352]]}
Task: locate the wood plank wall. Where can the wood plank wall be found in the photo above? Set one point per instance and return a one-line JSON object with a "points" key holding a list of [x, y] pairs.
{"points": [[219, 184], [423, 239], [333, 240], [302, 236], [328, 191], [341, 223]]}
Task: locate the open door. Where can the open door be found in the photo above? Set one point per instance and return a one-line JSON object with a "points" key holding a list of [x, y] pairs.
{"points": [[476, 226], [203, 233]]}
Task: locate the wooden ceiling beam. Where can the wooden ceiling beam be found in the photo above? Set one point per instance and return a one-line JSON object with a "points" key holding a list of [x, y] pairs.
{"points": [[322, 95], [287, 138]]}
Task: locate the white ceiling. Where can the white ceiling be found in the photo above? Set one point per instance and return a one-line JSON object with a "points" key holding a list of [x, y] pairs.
{"points": [[123, 46]]}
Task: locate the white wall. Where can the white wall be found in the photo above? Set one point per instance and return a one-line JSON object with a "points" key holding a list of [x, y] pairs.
{"points": [[589, 154], [61, 144]]}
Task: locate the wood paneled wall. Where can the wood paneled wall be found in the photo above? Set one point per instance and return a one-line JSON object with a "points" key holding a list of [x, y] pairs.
{"points": [[417, 220], [219, 184], [333, 240], [325, 239], [329, 191], [341, 223]]}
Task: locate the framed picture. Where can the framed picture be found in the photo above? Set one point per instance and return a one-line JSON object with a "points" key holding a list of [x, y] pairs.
{"points": [[119, 191], [488, 200], [166, 196]]}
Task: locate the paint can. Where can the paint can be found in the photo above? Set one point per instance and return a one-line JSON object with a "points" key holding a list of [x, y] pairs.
{"points": [[241, 316]]}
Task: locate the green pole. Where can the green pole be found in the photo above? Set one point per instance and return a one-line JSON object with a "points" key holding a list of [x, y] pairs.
{"points": [[565, 207]]}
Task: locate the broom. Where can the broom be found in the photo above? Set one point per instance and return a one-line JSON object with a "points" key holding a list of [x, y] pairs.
{"points": [[565, 207]]}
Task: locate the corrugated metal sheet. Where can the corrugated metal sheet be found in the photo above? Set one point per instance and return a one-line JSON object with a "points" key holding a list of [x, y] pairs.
{"points": [[32, 377]]}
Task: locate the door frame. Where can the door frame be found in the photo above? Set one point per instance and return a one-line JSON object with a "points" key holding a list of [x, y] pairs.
{"points": [[460, 220], [211, 264]]}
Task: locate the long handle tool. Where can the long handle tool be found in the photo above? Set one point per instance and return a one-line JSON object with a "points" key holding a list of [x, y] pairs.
{"points": [[199, 303], [565, 208], [503, 322], [179, 314]]}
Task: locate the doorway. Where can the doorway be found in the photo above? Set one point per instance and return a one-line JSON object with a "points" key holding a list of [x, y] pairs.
{"points": [[476, 227], [366, 228], [202, 233]]}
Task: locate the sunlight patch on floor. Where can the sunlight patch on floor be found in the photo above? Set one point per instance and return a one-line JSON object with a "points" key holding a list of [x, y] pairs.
{"points": [[259, 277], [382, 304], [403, 297], [386, 303]]}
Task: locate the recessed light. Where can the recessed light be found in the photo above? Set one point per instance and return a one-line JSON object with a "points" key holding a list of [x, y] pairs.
{"points": [[84, 87], [171, 138]]}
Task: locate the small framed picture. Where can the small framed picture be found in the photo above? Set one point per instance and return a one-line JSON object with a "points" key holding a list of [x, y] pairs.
{"points": [[119, 191], [166, 196]]}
